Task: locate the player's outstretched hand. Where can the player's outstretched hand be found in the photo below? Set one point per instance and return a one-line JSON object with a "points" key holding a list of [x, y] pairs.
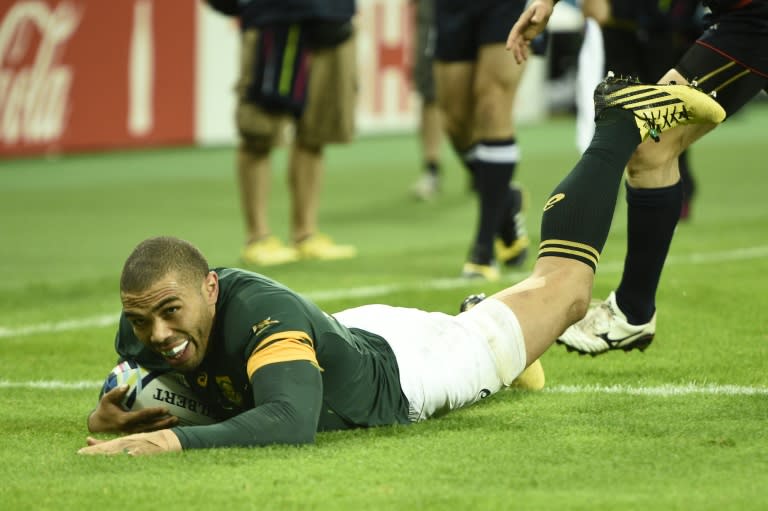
{"points": [[530, 24], [109, 416], [139, 444]]}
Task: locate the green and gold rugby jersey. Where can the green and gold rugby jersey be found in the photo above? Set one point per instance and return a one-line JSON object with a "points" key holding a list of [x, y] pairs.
{"points": [[260, 322]]}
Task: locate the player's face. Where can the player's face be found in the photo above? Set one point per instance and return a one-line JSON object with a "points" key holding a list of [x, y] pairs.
{"points": [[174, 318]]}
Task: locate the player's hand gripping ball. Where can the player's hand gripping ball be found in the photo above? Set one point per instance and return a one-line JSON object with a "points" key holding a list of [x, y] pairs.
{"points": [[158, 388]]}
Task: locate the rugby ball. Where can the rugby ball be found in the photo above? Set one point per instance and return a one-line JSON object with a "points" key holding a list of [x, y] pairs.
{"points": [[147, 389]]}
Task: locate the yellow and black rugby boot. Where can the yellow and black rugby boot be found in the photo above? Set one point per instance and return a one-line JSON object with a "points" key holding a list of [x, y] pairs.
{"points": [[657, 107]]}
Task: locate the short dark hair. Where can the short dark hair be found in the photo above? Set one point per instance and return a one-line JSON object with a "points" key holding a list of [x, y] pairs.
{"points": [[154, 258]]}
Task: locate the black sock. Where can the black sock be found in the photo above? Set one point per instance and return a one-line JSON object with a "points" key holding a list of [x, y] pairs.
{"points": [[510, 226], [651, 220], [495, 163], [578, 214], [432, 168]]}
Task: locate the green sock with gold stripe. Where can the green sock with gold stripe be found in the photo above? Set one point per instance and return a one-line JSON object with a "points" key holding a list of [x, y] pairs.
{"points": [[578, 214]]}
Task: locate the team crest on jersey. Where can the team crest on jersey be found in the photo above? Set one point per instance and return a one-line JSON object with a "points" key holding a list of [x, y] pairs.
{"points": [[228, 390], [202, 379], [263, 325]]}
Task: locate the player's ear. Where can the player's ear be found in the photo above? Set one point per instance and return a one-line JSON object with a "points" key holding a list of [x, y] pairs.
{"points": [[211, 287]]}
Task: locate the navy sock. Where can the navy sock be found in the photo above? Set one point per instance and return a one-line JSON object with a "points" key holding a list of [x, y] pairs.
{"points": [[652, 216], [689, 185], [494, 165]]}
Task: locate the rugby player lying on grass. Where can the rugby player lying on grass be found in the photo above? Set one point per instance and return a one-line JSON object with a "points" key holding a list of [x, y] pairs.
{"points": [[275, 369]]}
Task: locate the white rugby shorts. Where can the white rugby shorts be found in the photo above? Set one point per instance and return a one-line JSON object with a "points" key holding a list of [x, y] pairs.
{"points": [[446, 361]]}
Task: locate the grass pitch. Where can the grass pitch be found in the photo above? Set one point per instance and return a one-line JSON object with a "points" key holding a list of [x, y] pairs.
{"points": [[682, 426]]}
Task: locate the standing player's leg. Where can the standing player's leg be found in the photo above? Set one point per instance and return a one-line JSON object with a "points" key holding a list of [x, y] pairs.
{"points": [[259, 131], [627, 319], [430, 121], [328, 118], [501, 235], [453, 88], [431, 141], [255, 180], [578, 214], [476, 81]]}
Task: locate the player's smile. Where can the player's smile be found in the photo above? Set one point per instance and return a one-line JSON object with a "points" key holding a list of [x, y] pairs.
{"points": [[175, 351], [178, 353], [180, 350]]}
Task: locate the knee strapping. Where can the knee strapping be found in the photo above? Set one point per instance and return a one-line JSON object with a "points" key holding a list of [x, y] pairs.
{"points": [[502, 330]]}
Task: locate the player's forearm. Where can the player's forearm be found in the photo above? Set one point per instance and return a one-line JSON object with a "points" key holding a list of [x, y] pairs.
{"points": [[288, 398], [273, 423]]}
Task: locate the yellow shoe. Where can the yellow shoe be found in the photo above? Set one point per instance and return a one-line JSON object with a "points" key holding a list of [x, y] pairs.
{"points": [[269, 251], [514, 254], [530, 379], [488, 272], [320, 246], [657, 107]]}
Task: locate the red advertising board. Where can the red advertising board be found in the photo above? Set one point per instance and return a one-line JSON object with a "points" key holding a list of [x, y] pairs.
{"points": [[95, 74]]}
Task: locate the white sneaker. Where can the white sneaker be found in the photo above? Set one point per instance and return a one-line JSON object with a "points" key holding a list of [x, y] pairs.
{"points": [[426, 188], [606, 328]]}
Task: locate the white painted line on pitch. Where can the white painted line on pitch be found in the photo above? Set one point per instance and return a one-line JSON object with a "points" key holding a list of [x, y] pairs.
{"points": [[661, 390], [60, 326], [51, 384], [380, 290]]}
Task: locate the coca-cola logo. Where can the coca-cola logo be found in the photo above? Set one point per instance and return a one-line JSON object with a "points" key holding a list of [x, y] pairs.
{"points": [[34, 85]]}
